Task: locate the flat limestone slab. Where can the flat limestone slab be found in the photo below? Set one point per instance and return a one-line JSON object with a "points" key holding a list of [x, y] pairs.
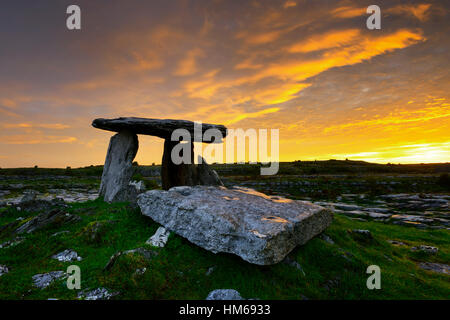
{"points": [[258, 228], [162, 128]]}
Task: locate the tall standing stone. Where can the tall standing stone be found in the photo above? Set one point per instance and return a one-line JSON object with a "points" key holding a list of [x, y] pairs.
{"points": [[118, 169], [176, 174]]}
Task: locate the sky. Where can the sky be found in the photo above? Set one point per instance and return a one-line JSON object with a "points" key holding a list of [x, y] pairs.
{"points": [[311, 69]]}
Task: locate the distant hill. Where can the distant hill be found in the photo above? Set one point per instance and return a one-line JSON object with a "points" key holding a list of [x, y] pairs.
{"points": [[286, 168]]}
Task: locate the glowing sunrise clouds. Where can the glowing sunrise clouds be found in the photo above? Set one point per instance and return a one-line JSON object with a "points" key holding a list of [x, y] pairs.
{"points": [[309, 68]]}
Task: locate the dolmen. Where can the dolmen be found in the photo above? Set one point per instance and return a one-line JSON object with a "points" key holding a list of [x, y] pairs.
{"points": [[118, 170], [194, 204]]}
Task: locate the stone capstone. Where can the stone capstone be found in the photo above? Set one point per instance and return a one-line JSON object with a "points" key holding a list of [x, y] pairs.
{"points": [[260, 229], [162, 128]]}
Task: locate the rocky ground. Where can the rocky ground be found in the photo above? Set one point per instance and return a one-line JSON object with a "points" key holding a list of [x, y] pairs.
{"points": [[51, 222]]}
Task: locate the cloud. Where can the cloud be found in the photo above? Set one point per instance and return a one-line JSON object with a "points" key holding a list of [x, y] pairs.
{"points": [[346, 12], [327, 40], [242, 116], [8, 103], [434, 110], [289, 4], [57, 126], [420, 11], [36, 139], [188, 65], [412, 153]]}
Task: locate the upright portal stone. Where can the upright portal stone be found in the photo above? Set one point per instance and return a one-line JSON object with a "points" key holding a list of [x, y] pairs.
{"points": [[117, 172], [176, 174], [207, 176]]}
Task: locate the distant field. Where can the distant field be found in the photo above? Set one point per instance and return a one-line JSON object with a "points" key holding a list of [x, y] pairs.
{"points": [[286, 168]]}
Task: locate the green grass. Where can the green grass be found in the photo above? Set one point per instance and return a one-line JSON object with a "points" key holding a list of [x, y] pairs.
{"points": [[332, 271]]}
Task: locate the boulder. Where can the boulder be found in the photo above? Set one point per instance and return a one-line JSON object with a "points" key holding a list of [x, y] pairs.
{"points": [[435, 267], [3, 270], [37, 205], [96, 294], [43, 280], [224, 294], [52, 218], [159, 239], [207, 176], [426, 249], [118, 169], [67, 255], [145, 253], [260, 229]]}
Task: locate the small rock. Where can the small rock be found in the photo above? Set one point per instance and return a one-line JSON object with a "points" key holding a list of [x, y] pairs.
{"points": [[96, 294], [28, 196], [346, 255], [293, 263], [326, 238], [424, 248], [210, 270], [12, 242], [159, 239], [435, 267], [147, 254], [224, 294], [396, 243], [45, 279], [376, 215], [60, 232], [411, 224], [55, 217], [41, 205], [140, 271], [360, 234], [139, 185], [3, 270], [332, 283], [67, 255], [387, 257]]}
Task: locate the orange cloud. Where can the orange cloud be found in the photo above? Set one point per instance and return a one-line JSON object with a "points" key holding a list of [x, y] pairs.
{"points": [[328, 40], [405, 116], [41, 125], [421, 11], [34, 139], [188, 65], [414, 153], [289, 4], [8, 103], [348, 12]]}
